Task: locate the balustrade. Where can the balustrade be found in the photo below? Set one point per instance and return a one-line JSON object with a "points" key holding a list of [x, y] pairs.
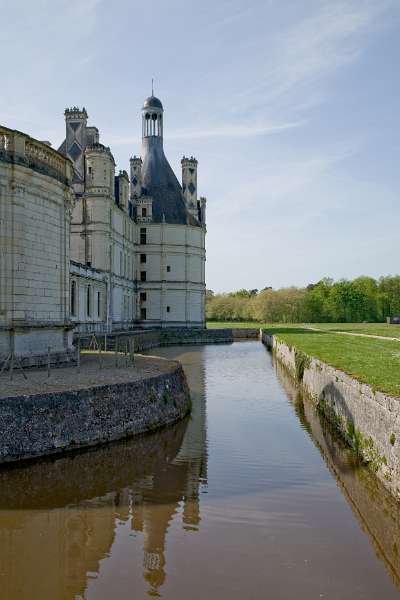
{"points": [[18, 148]]}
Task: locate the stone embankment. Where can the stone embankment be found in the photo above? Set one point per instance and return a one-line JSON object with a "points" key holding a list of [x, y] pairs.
{"points": [[72, 410], [374, 506], [368, 420], [154, 338], [101, 401]]}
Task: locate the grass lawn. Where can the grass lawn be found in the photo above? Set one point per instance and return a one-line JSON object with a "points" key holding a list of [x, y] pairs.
{"points": [[372, 361], [382, 329], [369, 328], [240, 325]]}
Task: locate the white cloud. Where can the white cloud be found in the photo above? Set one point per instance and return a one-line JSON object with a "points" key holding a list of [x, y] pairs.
{"points": [[299, 58], [220, 131]]}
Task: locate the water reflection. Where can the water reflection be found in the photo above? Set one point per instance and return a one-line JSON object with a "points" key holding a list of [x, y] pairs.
{"points": [[233, 503], [376, 510], [59, 518]]}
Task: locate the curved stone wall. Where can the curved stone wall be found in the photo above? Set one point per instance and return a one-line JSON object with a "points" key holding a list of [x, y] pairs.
{"points": [[47, 423], [35, 205]]}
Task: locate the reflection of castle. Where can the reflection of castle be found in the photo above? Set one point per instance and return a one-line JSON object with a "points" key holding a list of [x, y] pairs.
{"points": [[178, 483], [58, 518]]}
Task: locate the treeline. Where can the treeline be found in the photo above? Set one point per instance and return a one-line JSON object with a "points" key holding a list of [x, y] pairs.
{"points": [[362, 299]]}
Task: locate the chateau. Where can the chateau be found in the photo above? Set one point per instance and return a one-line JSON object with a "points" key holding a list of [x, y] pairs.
{"points": [[83, 249]]}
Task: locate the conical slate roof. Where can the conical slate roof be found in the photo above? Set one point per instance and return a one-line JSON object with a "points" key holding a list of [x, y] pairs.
{"points": [[159, 182]]}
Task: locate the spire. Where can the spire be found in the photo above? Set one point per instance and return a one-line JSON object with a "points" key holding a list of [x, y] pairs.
{"points": [[152, 86]]}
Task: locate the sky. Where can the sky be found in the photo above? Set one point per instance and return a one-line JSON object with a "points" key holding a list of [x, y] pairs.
{"points": [[290, 106]]}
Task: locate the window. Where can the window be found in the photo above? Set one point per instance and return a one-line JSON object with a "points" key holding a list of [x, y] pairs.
{"points": [[143, 296], [73, 298], [143, 235], [98, 304], [168, 269], [143, 314], [89, 301], [168, 308], [143, 275], [144, 212], [143, 258], [120, 263]]}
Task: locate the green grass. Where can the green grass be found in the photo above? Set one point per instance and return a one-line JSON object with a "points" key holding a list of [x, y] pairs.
{"points": [[369, 328], [241, 325], [372, 361]]}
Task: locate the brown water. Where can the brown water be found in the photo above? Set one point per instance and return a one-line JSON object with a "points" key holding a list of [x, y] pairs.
{"points": [[250, 499]]}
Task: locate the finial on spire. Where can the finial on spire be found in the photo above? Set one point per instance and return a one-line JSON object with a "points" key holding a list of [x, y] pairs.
{"points": [[152, 86]]}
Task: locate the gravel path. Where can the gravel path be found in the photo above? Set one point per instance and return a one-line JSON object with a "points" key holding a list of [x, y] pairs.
{"points": [[91, 374], [366, 335]]}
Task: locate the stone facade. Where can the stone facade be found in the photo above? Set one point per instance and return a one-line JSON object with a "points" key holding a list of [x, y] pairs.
{"points": [[145, 233], [172, 293], [36, 201], [83, 248]]}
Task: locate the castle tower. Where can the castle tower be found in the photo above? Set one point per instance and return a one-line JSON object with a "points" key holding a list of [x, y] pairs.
{"points": [[100, 169], [75, 143], [158, 179], [189, 184], [122, 190], [171, 238]]}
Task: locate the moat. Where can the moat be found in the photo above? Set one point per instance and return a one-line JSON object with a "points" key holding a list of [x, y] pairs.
{"points": [[250, 498]]}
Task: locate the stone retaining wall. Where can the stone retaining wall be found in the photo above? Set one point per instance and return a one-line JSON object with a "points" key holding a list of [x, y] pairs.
{"points": [[42, 424], [154, 338], [368, 420], [374, 506]]}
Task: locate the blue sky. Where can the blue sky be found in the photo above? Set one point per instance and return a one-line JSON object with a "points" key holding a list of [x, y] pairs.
{"points": [[290, 106]]}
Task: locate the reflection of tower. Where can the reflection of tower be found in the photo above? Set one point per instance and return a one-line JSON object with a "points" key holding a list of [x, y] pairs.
{"points": [[175, 481], [193, 451]]}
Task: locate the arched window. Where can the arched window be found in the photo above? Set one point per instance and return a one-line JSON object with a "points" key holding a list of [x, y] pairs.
{"points": [[73, 298], [89, 301]]}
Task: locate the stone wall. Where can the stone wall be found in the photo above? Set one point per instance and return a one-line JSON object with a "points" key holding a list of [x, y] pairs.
{"points": [[368, 420], [42, 424], [153, 338], [178, 336], [35, 205], [374, 507]]}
